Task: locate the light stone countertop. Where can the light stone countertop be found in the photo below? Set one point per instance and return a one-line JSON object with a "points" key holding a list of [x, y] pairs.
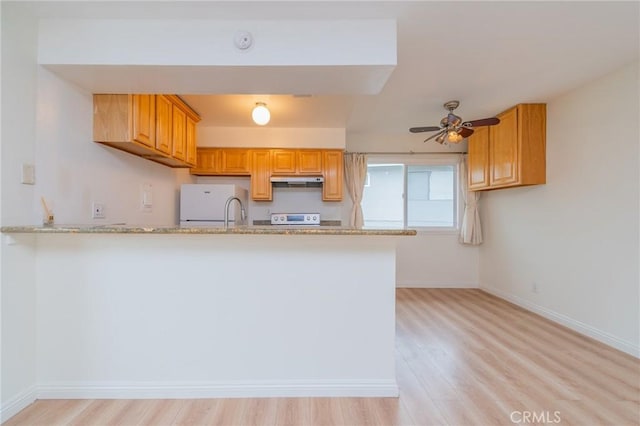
{"points": [[173, 229]]}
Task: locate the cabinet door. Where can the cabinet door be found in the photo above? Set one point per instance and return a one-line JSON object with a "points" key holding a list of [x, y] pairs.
{"points": [[283, 162], [332, 171], [179, 136], [261, 175], [532, 122], [112, 118], [144, 119], [191, 142], [478, 159], [234, 161], [310, 162], [208, 162], [503, 150], [164, 131]]}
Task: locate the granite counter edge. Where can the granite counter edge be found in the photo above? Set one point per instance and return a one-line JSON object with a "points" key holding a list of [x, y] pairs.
{"points": [[240, 230]]}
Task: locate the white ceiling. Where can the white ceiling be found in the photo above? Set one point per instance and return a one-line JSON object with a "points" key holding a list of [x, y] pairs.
{"points": [[488, 55]]}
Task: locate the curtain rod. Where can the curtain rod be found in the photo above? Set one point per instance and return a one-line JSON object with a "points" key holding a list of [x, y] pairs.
{"points": [[403, 153]]}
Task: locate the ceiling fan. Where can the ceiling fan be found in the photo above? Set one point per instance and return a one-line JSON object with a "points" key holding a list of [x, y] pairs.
{"points": [[452, 128]]}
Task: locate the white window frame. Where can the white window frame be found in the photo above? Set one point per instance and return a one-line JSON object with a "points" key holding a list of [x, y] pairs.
{"points": [[426, 160]]}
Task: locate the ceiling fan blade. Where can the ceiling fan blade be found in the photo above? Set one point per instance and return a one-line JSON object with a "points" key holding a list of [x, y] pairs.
{"points": [[483, 122], [465, 132], [442, 132], [424, 129]]}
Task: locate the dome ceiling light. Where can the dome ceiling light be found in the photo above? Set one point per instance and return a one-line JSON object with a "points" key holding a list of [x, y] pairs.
{"points": [[260, 114]]}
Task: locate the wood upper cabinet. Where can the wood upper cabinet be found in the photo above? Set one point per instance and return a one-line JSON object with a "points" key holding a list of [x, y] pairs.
{"points": [[125, 119], [191, 142], [261, 189], [184, 123], [179, 133], [164, 130], [309, 162], [144, 116], [283, 162], [478, 158], [223, 161], [235, 161], [207, 162], [261, 164], [143, 125], [333, 166], [513, 153], [293, 162], [503, 152]]}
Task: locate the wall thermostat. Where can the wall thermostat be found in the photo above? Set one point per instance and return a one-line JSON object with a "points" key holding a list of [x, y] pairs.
{"points": [[243, 40]]}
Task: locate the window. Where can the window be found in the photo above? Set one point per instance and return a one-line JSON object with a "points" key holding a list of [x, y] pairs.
{"points": [[430, 201]]}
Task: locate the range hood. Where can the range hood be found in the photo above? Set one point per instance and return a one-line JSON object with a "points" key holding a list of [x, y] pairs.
{"points": [[297, 181]]}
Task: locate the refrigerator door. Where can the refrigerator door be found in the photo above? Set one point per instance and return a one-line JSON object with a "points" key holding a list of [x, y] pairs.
{"points": [[205, 203]]}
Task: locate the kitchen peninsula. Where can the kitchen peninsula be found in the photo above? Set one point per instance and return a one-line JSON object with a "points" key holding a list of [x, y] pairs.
{"points": [[177, 312]]}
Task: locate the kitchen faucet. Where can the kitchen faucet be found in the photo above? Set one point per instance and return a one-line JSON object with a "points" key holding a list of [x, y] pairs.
{"points": [[226, 210]]}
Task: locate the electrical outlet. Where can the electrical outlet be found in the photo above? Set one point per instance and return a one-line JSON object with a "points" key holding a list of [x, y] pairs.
{"points": [[97, 211]]}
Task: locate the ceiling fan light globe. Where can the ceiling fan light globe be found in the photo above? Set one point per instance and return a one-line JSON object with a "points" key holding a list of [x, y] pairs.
{"points": [[453, 136]]}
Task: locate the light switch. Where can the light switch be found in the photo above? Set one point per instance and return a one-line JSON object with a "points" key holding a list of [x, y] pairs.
{"points": [[28, 174], [146, 197]]}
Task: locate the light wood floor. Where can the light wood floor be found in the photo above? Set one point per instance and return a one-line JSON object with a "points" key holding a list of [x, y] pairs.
{"points": [[463, 358]]}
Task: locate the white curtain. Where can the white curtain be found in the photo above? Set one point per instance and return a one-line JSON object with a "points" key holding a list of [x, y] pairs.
{"points": [[470, 229], [355, 170]]}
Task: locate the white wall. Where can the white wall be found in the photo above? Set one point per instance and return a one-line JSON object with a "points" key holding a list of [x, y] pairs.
{"points": [[271, 137], [400, 141], [17, 370], [576, 237], [47, 122], [19, 92], [72, 171], [286, 56], [436, 260], [197, 322], [18, 325]]}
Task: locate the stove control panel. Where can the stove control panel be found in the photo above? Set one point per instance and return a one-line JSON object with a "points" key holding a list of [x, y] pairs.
{"points": [[295, 218]]}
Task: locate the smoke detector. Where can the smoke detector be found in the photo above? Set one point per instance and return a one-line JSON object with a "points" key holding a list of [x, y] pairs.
{"points": [[243, 40]]}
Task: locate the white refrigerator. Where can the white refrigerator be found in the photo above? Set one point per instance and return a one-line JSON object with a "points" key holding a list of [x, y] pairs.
{"points": [[204, 204]]}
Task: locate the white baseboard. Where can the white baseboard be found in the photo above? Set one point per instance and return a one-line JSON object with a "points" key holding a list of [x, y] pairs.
{"points": [[18, 403], [193, 390], [568, 322], [422, 284]]}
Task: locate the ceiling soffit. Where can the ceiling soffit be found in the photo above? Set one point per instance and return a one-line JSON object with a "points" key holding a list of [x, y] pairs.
{"points": [[221, 57]]}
